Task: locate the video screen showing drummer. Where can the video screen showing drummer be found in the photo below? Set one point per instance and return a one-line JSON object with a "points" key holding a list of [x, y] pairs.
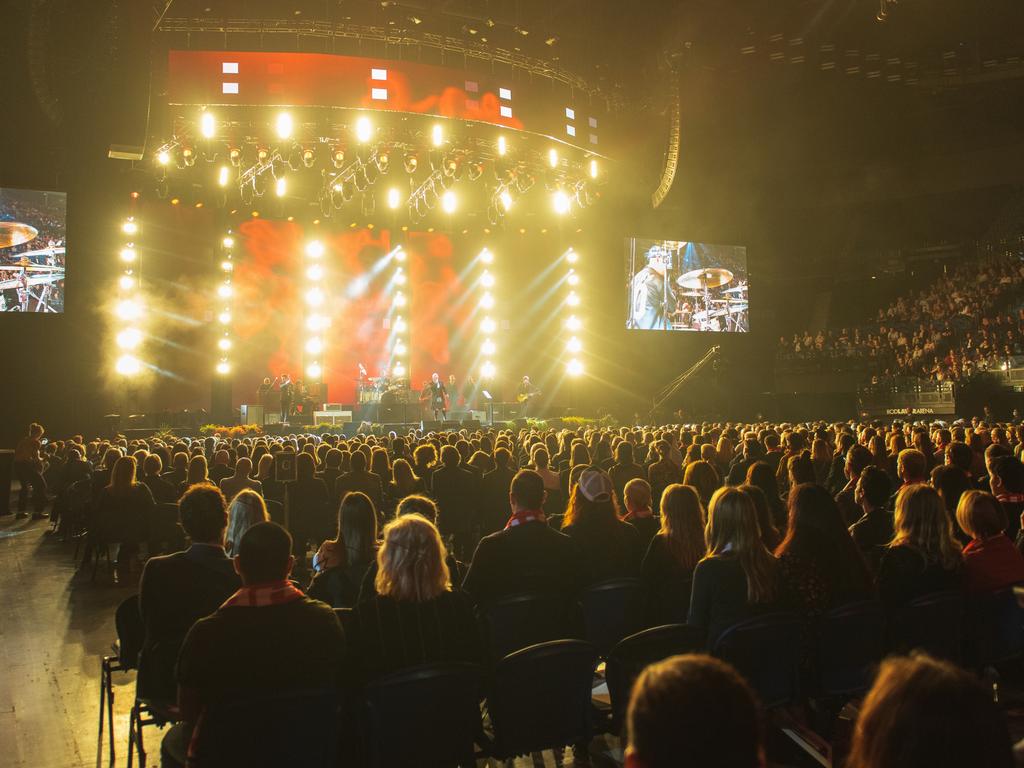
{"points": [[684, 286]]}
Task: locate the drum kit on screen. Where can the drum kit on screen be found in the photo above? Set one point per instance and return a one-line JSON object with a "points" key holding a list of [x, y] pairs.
{"points": [[705, 304]]}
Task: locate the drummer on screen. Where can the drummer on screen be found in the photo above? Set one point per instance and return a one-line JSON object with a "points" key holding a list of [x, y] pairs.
{"points": [[652, 295]]}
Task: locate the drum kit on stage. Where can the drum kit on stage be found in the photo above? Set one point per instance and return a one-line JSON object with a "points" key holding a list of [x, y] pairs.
{"points": [[384, 390], [702, 310]]}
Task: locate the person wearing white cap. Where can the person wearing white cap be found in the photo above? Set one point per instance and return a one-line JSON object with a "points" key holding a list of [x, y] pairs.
{"points": [[611, 548]]}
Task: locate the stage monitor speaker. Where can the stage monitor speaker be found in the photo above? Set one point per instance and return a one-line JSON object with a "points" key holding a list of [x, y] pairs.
{"points": [[129, 86], [252, 414], [470, 424], [433, 426], [451, 425]]}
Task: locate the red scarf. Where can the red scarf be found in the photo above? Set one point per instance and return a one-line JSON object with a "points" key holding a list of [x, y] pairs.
{"points": [[1010, 498], [262, 595], [525, 516]]}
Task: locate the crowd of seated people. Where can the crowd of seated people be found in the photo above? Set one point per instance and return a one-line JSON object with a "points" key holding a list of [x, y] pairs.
{"points": [[947, 331], [419, 533]]}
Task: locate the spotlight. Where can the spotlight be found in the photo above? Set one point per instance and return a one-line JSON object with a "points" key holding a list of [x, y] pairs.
{"points": [[129, 227], [224, 291], [506, 200], [398, 325], [573, 323], [315, 272], [437, 135], [188, 156], [224, 344], [448, 201], [400, 278], [316, 322], [262, 153], [127, 282], [227, 266], [315, 346], [235, 156], [561, 202], [314, 297], [228, 242], [383, 161], [364, 130], [574, 345], [128, 255], [399, 299], [488, 325], [223, 368], [398, 370], [487, 370], [502, 145], [571, 256], [574, 367], [163, 157], [593, 168], [207, 125], [284, 125], [314, 249], [308, 157], [394, 198], [487, 280], [553, 157], [223, 176], [410, 162], [280, 187], [400, 255], [488, 347], [400, 348], [338, 157], [486, 256], [129, 310], [128, 365], [574, 279], [224, 318], [573, 299], [129, 338], [314, 370]]}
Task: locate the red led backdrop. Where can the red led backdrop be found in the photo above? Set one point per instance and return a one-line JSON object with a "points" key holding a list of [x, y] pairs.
{"points": [[269, 312]]}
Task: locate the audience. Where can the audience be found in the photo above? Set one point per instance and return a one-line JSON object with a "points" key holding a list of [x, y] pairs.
{"points": [[991, 561], [455, 489], [124, 511], [637, 501], [667, 569], [246, 509], [874, 528], [240, 480], [341, 563], [611, 548]]}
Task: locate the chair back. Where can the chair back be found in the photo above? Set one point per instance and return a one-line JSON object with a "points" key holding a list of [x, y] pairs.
{"points": [[851, 641], [518, 621], [296, 728], [766, 651], [995, 628], [612, 610], [130, 632], [427, 716], [276, 511], [346, 618], [165, 531], [632, 654], [539, 698], [932, 623]]}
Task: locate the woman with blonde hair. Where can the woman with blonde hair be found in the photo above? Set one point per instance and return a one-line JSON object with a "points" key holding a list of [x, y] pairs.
{"points": [[923, 555], [415, 617], [667, 570], [702, 477], [738, 577], [197, 473], [247, 508]]}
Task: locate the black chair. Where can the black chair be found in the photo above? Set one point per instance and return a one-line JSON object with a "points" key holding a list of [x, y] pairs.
{"points": [[276, 511], [518, 621], [612, 610], [296, 728], [632, 654], [851, 642], [539, 698], [128, 624], [933, 623], [766, 651], [426, 716], [346, 619], [995, 629]]}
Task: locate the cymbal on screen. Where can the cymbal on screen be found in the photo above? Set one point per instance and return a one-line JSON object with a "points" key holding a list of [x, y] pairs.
{"points": [[705, 278], [13, 233]]}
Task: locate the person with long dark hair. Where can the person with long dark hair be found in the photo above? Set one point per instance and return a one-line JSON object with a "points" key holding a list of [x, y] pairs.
{"points": [[667, 569], [611, 548], [341, 563], [761, 475]]}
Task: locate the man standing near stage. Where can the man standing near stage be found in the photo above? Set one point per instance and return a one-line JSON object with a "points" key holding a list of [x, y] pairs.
{"points": [[286, 397], [652, 297], [438, 397], [525, 394]]}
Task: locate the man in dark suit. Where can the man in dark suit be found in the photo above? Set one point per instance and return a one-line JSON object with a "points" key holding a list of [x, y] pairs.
{"points": [[494, 490], [456, 492], [178, 589], [361, 480], [527, 556], [220, 468]]}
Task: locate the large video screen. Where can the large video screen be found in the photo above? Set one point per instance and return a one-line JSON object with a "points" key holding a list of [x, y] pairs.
{"points": [[32, 237], [675, 285]]}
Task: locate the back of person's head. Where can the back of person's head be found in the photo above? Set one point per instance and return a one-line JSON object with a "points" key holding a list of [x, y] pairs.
{"points": [[800, 468], [1010, 472], [450, 456], [693, 710], [416, 504], [760, 474], [875, 486], [951, 483], [245, 510], [857, 459], [243, 467], [703, 476], [959, 454], [732, 531], [924, 713], [922, 523], [766, 525], [265, 554], [204, 514], [358, 461], [197, 470], [592, 500], [624, 453], [411, 561], [637, 494], [980, 515], [527, 490], [35, 430], [912, 466], [503, 457], [817, 532], [682, 523], [996, 451], [152, 464], [305, 466], [122, 476], [357, 526]]}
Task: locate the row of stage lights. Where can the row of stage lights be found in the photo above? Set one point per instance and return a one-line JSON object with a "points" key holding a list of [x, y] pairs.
{"points": [[128, 308], [573, 324], [225, 293], [399, 364], [488, 325], [343, 177], [317, 321]]}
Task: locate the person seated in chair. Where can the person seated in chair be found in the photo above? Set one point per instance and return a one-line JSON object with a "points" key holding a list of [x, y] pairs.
{"points": [[241, 480], [527, 555], [179, 589], [267, 639], [164, 492]]}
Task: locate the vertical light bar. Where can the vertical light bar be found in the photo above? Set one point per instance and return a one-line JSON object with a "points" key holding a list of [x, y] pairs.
{"points": [[316, 316], [488, 325], [225, 296], [398, 363], [128, 307], [573, 323]]}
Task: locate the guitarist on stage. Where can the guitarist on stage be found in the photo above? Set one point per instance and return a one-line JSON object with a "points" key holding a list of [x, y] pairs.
{"points": [[524, 394], [438, 397]]}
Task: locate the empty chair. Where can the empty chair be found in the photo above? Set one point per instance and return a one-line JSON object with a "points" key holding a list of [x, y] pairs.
{"points": [[425, 716], [612, 610], [632, 654], [851, 641], [766, 651], [539, 698], [130, 632], [932, 623], [518, 621], [995, 629]]}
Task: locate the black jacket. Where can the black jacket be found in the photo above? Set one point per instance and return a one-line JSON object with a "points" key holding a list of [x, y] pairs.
{"points": [[611, 550], [456, 491], [494, 503]]}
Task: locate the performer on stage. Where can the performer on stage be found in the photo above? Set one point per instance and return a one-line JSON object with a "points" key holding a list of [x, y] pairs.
{"points": [[264, 389], [286, 397], [652, 297], [438, 397], [525, 394]]}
